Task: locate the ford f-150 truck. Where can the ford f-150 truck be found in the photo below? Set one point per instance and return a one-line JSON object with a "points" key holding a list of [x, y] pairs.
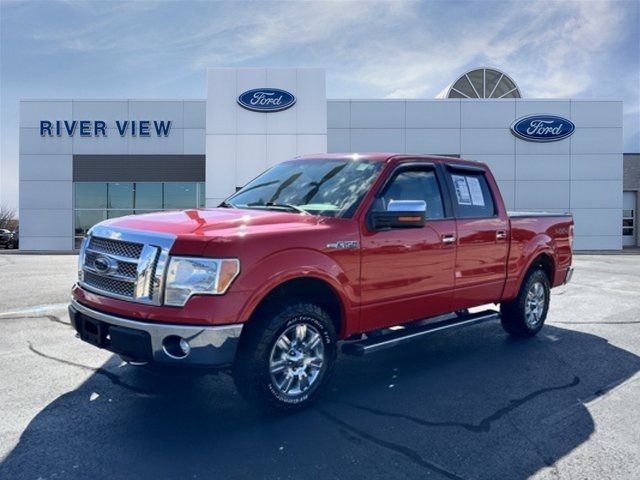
{"points": [[363, 251]]}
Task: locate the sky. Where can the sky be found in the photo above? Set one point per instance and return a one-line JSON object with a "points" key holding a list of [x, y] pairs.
{"points": [[147, 49]]}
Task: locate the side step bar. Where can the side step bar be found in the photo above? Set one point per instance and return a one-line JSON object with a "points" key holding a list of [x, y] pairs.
{"points": [[388, 340]]}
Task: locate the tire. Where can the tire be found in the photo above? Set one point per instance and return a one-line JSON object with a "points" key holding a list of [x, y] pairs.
{"points": [[285, 357], [524, 316]]}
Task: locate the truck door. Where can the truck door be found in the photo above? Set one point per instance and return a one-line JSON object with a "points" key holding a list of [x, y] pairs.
{"points": [[482, 237], [407, 273]]}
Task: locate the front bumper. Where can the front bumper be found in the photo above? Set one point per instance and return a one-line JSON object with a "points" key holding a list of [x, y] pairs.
{"points": [[151, 342]]}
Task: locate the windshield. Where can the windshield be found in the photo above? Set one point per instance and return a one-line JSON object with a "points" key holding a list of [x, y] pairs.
{"points": [[329, 187]]}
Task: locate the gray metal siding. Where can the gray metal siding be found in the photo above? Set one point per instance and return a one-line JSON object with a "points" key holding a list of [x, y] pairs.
{"points": [[138, 168]]}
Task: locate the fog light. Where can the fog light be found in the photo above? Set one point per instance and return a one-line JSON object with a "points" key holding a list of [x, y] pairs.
{"points": [[176, 347]]}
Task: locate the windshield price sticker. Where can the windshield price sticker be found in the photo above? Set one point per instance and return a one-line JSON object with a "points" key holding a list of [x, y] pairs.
{"points": [[462, 189], [476, 191]]}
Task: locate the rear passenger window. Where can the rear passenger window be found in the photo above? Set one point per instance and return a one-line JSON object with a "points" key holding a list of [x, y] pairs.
{"points": [[472, 195]]}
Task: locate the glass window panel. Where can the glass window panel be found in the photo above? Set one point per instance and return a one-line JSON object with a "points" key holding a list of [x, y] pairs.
{"points": [[454, 94], [627, 213], [464, 86], [148, 196], [415, 185], [121, 195], [503, 87], [85, 219], [627, 222], [118, 213], [477, 78], [78, 242], [492, 78], [180, 195], [202, 200], [90, 195], [627, 232]]}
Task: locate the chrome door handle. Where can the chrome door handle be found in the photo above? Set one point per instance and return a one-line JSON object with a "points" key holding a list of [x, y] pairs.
{"points": [[501, 234], [448, 239]]}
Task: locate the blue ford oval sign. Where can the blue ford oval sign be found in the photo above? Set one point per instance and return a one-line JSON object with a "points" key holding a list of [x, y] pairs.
{"points": [[542, 128], [266, 100]]}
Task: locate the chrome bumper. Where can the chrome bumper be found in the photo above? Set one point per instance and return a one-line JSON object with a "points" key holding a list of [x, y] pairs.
{"points": [[209, 346], [568, 276]]}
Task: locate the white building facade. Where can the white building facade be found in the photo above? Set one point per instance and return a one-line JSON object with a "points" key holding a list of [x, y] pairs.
{"points": [[82, 161]]}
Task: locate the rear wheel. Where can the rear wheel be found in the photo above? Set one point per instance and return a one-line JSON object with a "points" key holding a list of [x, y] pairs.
{"points": [[285, 357], [524, 316]]}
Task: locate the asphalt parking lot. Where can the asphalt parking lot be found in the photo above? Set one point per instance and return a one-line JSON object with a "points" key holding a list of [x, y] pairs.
{"points": [[470, 404]]}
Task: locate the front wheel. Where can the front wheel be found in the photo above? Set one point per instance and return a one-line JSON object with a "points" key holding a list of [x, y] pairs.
{"points": [[285, 358], [524, 316]]}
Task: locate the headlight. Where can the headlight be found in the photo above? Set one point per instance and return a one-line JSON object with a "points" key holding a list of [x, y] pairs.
{"points": [[198, 276]]}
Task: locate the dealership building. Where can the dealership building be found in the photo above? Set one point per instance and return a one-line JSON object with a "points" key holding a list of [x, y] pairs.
{"points": [[83, 161]]}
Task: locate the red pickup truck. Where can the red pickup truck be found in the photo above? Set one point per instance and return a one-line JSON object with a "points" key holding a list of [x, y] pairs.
{"points": [[366, 250]]}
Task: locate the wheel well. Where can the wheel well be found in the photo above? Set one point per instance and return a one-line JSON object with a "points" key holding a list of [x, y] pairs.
{"points": [[309, 289], [545, 262]]}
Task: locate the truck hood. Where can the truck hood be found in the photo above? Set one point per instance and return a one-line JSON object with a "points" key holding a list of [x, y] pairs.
{"points": [[210, 223]]}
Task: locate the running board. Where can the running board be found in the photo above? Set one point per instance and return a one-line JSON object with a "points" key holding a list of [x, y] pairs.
{"points": [[373, 344]]}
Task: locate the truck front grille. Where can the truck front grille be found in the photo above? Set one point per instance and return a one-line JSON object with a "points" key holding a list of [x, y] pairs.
{"points": [[128, 266]]}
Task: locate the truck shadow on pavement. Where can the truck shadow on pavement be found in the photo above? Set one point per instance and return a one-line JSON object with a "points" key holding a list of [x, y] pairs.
{"points": [[469, 404]]}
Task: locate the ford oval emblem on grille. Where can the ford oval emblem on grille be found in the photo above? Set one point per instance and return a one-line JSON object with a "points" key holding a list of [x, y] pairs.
{"points": [[266, 100], [542, 128], [105, 264]]}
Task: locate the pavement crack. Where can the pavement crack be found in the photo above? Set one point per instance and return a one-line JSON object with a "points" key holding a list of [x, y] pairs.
{"points": [[483, 426], [401, 449], [115, 379]]}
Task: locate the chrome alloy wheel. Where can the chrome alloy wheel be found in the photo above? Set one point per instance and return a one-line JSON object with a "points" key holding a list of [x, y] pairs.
{"points": [[534, 304], [297, 358]]}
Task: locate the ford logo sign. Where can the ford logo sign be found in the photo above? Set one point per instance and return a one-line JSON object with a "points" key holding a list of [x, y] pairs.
{"points": [[266, 100], [105, 265], [542, 128]]}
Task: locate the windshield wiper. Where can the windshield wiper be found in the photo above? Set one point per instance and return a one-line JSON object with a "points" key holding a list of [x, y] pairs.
{"points": [[288, 206], [226, 204]]}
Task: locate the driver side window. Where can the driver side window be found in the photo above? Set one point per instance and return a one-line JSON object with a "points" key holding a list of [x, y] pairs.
{"points": [[414, 185]]}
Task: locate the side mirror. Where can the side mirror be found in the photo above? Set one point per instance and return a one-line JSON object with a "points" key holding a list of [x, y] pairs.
{"points": [[400, 214]]}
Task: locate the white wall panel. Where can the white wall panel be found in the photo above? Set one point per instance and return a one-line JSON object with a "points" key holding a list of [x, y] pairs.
{"points": [[32, 111], [194, 142], [45, 194], [508, 192], [338, 114], [526, 107], [502, 166], [249, 121], [194, 114], [597, 242], [596, 113], [308, 144], [284, 121], [377, 114], [487, 113], [154, 145], [157, 110], [251, 157], [280, 148], [543, 167], [596, 140], [596, 167], [111, 144], [433, 113], [46, 167], [32, 143], [45, 243], [377, 140], [561, 147], [45, 223], [311, 104], [109, 111], [596, 194], [542, 194], [221, 104], [220, 170], [486, 141], [599, 221], [338, 140], [439, 141]]}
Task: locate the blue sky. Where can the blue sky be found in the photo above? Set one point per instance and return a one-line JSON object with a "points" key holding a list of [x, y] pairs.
{"points": [[102, 49]]}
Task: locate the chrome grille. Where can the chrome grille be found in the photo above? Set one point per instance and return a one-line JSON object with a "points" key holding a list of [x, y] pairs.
{"points": [[123, 264]]}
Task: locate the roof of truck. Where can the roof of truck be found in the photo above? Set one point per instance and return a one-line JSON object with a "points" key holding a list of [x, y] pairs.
{"points": [[387, 156]]}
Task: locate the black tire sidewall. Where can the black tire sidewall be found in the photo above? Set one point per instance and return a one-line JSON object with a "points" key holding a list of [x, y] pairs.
{"points": [[513, 312]]}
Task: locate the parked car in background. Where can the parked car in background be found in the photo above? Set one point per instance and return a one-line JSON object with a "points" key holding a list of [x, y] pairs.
{"points": [[367, 250], [14, 240], [5, 238]]}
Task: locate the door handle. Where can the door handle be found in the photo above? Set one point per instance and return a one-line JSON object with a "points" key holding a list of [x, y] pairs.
{"points": [[501, 234], [448, 239]]}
